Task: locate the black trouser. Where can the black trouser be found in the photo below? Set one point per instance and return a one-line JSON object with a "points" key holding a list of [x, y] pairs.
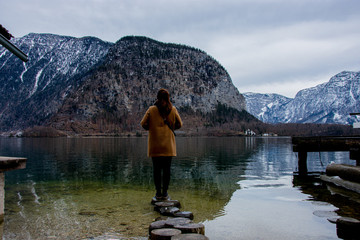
{"points": [[161, 167]]}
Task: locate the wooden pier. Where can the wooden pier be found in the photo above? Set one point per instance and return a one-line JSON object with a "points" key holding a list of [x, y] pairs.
{"points": [[345, 176], [303, 145], [8, 164]]}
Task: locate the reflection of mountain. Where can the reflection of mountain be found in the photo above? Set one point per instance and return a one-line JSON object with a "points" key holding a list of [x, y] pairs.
{"points": [[205, 164], [212, 165], [273, 158], [111, 179], [206, 169]]}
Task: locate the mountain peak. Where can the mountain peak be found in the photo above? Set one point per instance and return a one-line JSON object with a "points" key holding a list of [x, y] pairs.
{"points": [[329, 102], [82, 83]]}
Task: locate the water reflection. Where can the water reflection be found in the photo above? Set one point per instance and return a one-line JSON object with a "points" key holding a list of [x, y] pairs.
{"points": [[83, 188], [347, 203]]}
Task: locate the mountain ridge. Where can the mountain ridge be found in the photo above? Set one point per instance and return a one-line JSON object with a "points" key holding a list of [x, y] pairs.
{"points": [[88, 85], [329, 102], [32, 91]]}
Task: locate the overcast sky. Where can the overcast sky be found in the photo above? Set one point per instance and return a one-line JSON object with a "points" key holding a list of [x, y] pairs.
{"points": [[267, 46]]}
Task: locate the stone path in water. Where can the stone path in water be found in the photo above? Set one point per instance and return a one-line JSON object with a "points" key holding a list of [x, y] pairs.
{"points": [[174, 224]]}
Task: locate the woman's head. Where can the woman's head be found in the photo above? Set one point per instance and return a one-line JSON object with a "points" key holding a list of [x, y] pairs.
{"points": [[163, 95], [163, 102]]}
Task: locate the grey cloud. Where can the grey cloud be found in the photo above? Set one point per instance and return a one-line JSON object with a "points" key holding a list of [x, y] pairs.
{"points": [[261, 43]]}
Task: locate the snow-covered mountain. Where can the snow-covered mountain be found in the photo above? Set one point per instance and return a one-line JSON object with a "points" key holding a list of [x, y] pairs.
{"points": [[330, 102], [31, 92], [86, 85], [261, 105]]}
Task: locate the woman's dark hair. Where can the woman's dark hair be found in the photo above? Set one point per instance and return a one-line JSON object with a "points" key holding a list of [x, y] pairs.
{"points": [[163, 102]]}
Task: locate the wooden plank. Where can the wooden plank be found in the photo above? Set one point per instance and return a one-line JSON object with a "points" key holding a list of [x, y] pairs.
{"points": [[317, 144], [303, 145], [12, 163]]}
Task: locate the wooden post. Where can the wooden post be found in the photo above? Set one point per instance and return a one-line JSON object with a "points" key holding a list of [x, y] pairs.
{"points": [[7, 164], [302, 158], [2, 196], [355, 155]]}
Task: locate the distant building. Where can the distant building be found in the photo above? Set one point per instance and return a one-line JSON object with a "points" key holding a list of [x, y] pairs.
{"points": [[269, 135], [250, 132]]}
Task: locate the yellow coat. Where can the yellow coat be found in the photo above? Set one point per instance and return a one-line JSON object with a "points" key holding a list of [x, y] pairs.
{"points": [[161, 140]]}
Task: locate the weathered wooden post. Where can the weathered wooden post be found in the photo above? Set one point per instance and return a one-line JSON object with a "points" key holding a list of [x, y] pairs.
{"points": [[302, 155], [302, 163], [8, 164]]}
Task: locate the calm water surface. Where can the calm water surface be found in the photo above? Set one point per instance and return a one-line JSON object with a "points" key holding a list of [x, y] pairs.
{"points": [[240, 188]]}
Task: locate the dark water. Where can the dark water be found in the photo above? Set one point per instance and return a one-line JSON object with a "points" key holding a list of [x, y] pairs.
{"points": [[240, 188]]}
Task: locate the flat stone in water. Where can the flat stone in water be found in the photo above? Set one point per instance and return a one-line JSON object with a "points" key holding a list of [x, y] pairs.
{"points": [[325, 213], [190, 236], [157, 225], [164, 233], [185, 214], [348, 221], [159, 205], [191, 228], [177, 221], [169, 211], [154, 201], [333, 219], [164, 204]]}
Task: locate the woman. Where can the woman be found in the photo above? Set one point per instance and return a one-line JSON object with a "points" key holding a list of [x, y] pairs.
{"points": [[161, 120]]}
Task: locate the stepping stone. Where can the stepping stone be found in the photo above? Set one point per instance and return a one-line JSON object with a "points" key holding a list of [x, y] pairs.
{"points": [[157, 225], [333, 219], [162, 218], [185, 214], [154, 200], [176, 221], [159, 205], [164, 233], [169, 211], [175, 202], [190, 236], [347, 228], [191, 228]]}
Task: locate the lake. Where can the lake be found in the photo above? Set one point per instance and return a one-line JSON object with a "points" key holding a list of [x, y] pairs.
{"points": [[101, 188]]}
